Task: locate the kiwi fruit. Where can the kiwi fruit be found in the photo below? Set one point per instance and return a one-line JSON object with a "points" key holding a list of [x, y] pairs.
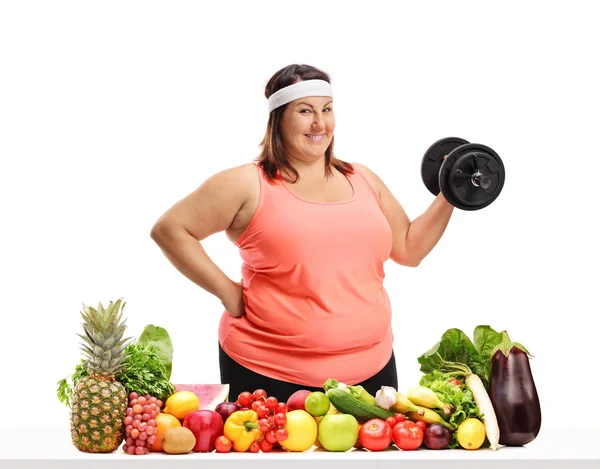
{"points": [[178, 440]]}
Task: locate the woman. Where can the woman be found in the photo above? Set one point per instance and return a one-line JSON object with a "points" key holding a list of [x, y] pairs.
{"points": [[313, 232]]}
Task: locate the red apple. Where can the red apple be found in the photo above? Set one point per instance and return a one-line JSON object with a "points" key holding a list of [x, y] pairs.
{"points": [[297, 400], [207, 426]]}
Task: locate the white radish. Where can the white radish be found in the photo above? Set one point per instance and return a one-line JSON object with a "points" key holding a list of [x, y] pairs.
{"points": [[484, 403], [482, 399]]}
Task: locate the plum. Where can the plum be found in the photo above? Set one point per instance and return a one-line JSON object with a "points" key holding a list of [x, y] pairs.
{"points": [[437, 436], [226, 409]]}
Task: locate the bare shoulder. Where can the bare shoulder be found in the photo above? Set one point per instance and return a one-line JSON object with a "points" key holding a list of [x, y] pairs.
{"points": [[238, 178], [215, 204], [375, 180]]}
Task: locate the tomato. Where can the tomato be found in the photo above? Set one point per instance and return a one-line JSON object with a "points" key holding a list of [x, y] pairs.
{"points": [[245, 399], [254, 447], [281, 408], [259, 394], [262, 411], [223, 444], [391, 421], [271, 403], [280, 419], [375, 435], [264, 425], [407, 435], [265, 446], [281, 434], [399, 417], [455, 382], [422, 425], [270, 437]]}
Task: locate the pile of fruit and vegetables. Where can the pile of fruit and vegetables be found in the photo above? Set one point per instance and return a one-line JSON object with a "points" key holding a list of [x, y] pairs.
{"points": [[473, 394]]}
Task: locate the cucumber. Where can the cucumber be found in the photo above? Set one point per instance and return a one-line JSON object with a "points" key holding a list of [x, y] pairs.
{"points": [[362, 411]]}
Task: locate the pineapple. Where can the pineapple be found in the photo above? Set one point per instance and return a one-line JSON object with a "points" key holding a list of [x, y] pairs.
{"points": [[99, 402]]}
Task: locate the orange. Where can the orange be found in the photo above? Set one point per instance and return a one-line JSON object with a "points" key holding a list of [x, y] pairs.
{"points": [[181, 403], [163, 421]]}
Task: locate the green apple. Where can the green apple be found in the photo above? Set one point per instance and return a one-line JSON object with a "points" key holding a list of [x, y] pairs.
{"points": [[338, 432]]}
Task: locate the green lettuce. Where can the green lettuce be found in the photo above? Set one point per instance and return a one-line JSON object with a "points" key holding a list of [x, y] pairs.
{"points": [[461, 398], [158, 337], [456, 347]]}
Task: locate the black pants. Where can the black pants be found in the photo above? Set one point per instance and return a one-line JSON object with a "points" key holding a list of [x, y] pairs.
{"points": [[242, 379]]}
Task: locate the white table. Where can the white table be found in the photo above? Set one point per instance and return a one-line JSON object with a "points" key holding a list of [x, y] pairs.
{"points": [[36, 448]]}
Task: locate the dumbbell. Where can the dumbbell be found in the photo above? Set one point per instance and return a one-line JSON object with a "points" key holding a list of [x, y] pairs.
{"points": [[471, 177]]}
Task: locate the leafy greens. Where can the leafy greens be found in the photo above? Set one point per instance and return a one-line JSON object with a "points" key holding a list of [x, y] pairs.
{"points": [[147, 366], [455, 346], [461, 398]]}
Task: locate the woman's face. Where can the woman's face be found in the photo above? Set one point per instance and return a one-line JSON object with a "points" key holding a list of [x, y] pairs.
{"points": [[307, 127]]}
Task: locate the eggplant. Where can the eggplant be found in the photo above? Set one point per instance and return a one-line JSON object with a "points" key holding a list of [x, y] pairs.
{"points": [[513, 394]]}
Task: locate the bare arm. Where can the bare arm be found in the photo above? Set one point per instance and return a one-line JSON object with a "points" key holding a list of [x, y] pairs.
{"points": [[412, 241], [209, 209]]}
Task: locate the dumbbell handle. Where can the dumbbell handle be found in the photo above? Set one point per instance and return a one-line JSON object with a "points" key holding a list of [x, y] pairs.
{"points": [[479, 179]]}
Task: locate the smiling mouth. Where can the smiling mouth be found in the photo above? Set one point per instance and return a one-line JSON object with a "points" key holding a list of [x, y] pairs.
{"points": [[315, 138]]}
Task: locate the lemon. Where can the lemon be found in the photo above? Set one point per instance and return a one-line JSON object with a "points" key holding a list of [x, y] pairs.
{"points": [[471, 434], [181, 403]]}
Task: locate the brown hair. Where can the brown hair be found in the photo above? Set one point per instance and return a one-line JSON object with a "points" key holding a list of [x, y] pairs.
{"points": [[273, 157]]}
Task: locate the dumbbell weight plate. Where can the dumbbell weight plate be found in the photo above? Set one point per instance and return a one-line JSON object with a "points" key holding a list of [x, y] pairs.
{"points": [[433, 159], [456, 176]]}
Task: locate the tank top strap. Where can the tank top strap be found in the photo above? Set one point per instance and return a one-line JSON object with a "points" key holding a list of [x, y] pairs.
{"points": [[361, 182]]}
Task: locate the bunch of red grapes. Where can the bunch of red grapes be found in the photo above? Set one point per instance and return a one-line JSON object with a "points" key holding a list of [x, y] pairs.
{"points": [[272, 419], [140, 426]]}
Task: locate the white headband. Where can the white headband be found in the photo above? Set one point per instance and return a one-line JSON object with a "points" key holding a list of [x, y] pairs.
{"points": [[299, 90]]}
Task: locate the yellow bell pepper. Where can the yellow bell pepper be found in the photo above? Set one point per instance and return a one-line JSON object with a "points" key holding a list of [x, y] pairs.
{"points": [[242, 429]]}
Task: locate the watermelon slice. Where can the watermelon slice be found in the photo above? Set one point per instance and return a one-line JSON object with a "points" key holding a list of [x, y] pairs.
{"points": [[210, 395]]}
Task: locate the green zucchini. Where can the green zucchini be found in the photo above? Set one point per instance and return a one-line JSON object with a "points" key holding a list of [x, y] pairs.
{"points": [[347, 404]]}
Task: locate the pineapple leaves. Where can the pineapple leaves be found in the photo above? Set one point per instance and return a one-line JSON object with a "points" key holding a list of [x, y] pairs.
{"points": [[143, 366]]}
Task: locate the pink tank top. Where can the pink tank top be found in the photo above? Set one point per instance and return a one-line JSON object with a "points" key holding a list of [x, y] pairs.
{"points": [[313, 277]]}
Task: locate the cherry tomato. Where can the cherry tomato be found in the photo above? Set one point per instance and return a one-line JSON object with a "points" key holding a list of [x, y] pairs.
{"points": [[281, 434], [259, 394], [271, 403], [265, 446], [281, 408], [455, 382], [262, 411], [422, 425], [407, 435], [256, 405], [391, 421], [264, 425], [280, 420], [375, 435], [245, 399], [270, 437], [255, 447], [399, 417], [223, 444]]}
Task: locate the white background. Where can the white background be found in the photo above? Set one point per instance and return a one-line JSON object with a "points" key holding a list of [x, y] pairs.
{"points": [[110, 112]]}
